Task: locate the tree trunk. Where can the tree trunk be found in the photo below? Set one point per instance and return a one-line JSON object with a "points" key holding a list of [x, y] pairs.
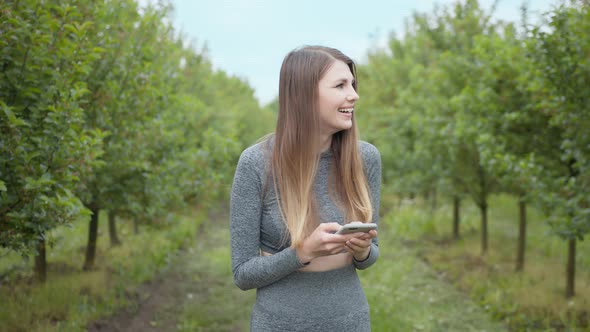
{"points": [[92, 236], [113, 230], [41, 261], [456, 217], [571, 269], [484, 228], [521, 235]]}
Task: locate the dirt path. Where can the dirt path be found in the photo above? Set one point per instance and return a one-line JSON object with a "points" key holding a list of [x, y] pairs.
{"points": [[187, 296]]}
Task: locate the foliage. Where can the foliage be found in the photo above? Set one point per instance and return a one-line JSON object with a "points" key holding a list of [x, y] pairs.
{"points": [[45, 147], [104, 106], [474, 106], [563, 80]]}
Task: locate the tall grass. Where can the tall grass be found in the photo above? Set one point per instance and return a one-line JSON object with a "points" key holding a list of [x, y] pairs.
{"points": [[529, 300], [215, 304], [71, 298], [405, 294]]}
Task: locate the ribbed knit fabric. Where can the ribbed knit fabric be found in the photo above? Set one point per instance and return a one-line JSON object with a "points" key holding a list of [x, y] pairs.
{"points": [[288, 299]]}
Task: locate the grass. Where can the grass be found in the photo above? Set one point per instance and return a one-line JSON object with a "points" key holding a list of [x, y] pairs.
{"points": [[71, 297], [422, 282], [217, 304], [529, 301], [407, 295], [404, 293]]}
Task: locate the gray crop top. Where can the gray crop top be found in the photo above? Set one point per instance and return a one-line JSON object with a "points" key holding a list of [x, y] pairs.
{"points": [[256, 223]]}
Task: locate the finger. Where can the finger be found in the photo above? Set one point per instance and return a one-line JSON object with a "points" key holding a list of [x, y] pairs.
{"points": [[359, 243], [342, 238], [339, 249], [351, 247], [359, 235], [354, 249], [336, 238], [329, 227], [364, 236]]}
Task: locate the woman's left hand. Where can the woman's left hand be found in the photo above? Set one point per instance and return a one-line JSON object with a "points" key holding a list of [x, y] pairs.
{"points": [[360, 246]]}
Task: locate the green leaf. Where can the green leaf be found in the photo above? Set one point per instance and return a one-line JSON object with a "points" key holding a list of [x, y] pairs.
{"points": [[13, 119]]}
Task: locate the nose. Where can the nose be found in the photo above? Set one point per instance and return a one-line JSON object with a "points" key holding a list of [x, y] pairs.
{"points": [[352, 95]]}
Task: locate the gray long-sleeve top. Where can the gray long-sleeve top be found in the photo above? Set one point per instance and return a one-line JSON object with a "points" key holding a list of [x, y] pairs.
{"points": [[256, 223]]}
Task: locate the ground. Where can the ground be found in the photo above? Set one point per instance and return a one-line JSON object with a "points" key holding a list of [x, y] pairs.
{"points": [[196, 293]]}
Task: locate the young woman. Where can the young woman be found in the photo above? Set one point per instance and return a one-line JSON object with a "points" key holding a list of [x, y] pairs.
{"points": [[293, 190]]}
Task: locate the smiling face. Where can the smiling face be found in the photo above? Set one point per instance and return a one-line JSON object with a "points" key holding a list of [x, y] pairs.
{"points": [[336, 99]]}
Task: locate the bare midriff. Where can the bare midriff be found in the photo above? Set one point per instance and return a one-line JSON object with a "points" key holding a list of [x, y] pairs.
{"points": [[325, 263]]}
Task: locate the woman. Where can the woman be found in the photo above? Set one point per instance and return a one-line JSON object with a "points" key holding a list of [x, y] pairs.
{"points": [[293, 190]]}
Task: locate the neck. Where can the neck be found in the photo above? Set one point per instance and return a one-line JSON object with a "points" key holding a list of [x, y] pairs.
{"points": [[326, 141]]}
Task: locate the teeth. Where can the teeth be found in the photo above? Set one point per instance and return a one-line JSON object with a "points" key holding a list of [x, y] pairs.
{"points": [[346, 110]]}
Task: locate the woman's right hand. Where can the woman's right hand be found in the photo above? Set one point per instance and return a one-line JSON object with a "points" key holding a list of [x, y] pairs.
{"points": [[323, 242]]}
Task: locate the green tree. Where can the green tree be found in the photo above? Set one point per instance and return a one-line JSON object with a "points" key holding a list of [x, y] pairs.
{"points": [[121, 83], [511, 132], [562, 67], [45, 146], [430, 143]]}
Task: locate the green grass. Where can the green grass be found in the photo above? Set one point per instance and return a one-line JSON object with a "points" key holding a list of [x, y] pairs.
{"points": [[71, 298], [406, 295], [454, 290], [217, 304], [403, 292], [530, 301]]}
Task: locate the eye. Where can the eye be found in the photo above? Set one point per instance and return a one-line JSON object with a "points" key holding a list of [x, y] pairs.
{"points": [[340, 86]]}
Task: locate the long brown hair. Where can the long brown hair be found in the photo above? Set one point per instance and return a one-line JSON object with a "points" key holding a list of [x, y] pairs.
{"points": [[296, 148]]}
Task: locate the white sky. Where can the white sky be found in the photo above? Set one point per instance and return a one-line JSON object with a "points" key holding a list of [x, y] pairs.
{"points": [[249, 38]]}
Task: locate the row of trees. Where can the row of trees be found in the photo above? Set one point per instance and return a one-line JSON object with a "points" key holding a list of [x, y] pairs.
{"points": [[469, 107], [104, 106]]}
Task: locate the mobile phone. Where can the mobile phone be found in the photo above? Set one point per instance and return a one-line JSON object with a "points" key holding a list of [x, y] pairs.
{"points": [[357, 226]]}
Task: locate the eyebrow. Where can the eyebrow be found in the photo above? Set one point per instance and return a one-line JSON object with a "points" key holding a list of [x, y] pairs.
{"points": [[344, 80]]}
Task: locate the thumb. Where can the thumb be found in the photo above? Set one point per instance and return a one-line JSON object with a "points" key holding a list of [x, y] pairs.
{"points": [[330, 227]]}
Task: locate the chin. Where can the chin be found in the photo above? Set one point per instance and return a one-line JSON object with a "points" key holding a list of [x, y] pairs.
{"points": [[347, 126], [342, 129]]}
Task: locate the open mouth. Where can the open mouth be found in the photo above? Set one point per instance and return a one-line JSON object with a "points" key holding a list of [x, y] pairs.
{"points": [[346, 110]]}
